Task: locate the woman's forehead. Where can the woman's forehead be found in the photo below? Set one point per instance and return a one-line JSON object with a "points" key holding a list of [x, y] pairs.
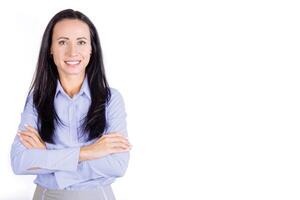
{"points": [[71, 28]]}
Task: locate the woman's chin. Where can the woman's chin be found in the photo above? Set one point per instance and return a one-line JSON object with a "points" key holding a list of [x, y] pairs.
{"points": [[73, 72]]}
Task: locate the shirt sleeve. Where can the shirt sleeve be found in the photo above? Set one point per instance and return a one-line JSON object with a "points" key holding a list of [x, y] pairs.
{"points": [[38, 161], [110, 166]]}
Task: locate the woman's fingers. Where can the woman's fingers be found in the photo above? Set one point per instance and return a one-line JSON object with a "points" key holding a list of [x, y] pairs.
{"points": [[119, 145], [26, 144], [31, 135], [31, 138], [107, 144], [116, 139], [27, 139], [113, 141], [120, 150], [116, 143], [32, 142], [115, 134], [30, 128]]}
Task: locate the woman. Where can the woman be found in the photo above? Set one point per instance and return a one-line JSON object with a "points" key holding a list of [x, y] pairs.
{"points": [[72, 133]]}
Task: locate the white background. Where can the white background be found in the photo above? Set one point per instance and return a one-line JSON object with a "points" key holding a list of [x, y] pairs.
{"points": [[211, 91]]}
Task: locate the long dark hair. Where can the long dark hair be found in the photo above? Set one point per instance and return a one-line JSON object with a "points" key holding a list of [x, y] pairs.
{"points": [[45, 79]]}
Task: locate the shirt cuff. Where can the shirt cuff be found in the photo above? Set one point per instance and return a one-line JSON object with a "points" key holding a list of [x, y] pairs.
{"points": [[63, 159]]}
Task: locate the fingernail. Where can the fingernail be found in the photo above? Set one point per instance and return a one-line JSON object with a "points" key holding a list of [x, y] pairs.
{"points": [[26, 125]]}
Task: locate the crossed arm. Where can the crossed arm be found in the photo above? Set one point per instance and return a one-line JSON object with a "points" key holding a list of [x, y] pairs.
{"points": [[111, 143], [106, 157]]}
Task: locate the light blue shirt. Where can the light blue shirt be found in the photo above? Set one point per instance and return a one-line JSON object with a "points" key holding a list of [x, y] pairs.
{"points": [[59, 163]]}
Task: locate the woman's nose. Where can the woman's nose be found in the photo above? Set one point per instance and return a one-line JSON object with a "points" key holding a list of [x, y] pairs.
{"points": [[72, 50]]}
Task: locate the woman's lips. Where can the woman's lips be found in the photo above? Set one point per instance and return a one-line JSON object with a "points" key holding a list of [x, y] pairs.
{"points": [[73, 62]]}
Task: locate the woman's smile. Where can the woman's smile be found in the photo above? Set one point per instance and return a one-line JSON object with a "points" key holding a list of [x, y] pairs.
{"points": [[73, 62]]}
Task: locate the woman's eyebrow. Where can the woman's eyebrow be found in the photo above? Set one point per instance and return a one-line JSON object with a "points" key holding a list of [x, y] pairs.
{"points": [[81, 38], [66, 38], [62, 38]]}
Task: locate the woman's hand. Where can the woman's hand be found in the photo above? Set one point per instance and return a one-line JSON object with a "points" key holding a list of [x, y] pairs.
{"points": [[107, 144], [31, 139]]}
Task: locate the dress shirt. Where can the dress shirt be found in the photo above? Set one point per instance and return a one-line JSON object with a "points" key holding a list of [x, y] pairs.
{"points": [[58, 165]]}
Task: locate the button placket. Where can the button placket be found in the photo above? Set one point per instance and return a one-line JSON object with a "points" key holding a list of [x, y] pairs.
{"points": [[72, 122]]}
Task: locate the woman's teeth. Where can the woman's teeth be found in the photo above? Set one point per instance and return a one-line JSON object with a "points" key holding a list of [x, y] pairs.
{"points": [[72, 62]]}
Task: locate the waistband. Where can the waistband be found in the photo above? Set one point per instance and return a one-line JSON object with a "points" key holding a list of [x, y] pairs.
{"points": [[100, 193]]}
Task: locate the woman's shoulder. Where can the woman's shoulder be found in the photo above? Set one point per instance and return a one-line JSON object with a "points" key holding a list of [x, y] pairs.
{"points": [[116, 95], [115, 92], [29, 105], [29, 98]]}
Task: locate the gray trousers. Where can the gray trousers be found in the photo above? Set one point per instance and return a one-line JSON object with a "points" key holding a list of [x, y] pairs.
{"points": [[102, 193]]}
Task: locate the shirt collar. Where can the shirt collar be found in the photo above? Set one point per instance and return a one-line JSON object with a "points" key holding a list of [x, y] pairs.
{"points": [[85, 89]]}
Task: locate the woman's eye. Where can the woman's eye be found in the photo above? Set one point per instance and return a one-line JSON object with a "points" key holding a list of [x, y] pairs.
{"points": [[61, 42], [82, 42]]}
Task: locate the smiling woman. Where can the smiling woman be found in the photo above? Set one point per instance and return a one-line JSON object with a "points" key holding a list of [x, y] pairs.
{"points": [[73, 132], [71, 48]]}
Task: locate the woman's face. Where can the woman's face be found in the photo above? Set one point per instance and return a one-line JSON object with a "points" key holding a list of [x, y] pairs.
{"points": [[71, 47]]}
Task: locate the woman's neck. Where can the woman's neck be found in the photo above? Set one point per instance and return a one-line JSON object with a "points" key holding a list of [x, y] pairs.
{"points": [[71, 84]]}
